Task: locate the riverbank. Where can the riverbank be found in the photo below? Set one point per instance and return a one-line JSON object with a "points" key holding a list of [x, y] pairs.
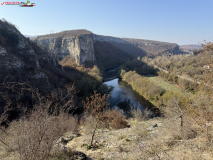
{"points": [[158, 96], [143, 86], [123, 91], [110, 74]]}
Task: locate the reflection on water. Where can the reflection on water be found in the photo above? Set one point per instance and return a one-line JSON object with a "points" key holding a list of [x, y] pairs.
{"points": [[122, 90]]}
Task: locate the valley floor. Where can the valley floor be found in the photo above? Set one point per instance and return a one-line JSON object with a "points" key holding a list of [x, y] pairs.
{"points": [[158, 81]]}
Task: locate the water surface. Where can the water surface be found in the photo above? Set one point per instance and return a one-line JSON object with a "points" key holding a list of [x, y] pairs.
{"points": [[122, 90]]}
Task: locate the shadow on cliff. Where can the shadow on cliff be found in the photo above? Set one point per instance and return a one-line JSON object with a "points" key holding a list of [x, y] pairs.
{"points": [[110, 55], [58, 78]]}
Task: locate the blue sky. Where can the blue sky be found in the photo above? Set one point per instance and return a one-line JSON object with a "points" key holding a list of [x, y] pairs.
{"points": [[176, 21]]}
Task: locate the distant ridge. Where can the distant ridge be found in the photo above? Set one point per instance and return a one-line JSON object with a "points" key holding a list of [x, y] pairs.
{"points": [[29, 36], [190, 47], [154, 48]]}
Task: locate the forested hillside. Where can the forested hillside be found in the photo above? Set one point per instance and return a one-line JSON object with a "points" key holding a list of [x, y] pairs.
{"points": [[154, 48], [190, 47], [197, 67]]}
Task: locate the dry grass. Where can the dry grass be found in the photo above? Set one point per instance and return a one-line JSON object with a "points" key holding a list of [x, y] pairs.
{"points": [[35, 135], [167, 141], [177, 136], [140, 115], [89, 124]]}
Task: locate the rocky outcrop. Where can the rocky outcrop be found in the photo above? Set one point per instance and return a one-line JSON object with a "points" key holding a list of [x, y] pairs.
{"points": [[22, 61], [79, 46], [20, 58], [100, 38]]}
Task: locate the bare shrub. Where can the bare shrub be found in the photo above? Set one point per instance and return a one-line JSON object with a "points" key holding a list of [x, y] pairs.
{"points": [[63, 155], [200, 112], [88, 121], [113, 119], [35, 134], [117, 119], [118, 123], [140, 115], [179, 122]]}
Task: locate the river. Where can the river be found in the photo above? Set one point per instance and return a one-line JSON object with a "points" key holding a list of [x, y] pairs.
{"points": [[122, 90]]}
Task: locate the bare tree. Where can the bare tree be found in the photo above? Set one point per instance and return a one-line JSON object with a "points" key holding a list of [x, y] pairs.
{"points": [[97, 107]]}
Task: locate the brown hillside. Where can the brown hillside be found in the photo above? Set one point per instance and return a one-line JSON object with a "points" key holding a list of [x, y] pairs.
{"points": [[189, 48], [153, 48]]}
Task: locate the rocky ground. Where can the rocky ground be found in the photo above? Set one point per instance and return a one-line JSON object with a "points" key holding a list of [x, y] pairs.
{"points": [[156, 138]]}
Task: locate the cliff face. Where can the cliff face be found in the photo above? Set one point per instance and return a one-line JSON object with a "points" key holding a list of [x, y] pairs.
{"points": [[16, 52], [21, 60], [100, 38], [79, 46]]}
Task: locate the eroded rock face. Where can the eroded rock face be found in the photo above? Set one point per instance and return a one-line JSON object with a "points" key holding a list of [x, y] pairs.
{"points": [[81, 46], [20, 59], [3, 51]]}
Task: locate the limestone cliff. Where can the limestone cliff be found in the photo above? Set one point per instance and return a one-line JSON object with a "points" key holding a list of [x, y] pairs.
{"points": [[80, 45], [66, 43]]}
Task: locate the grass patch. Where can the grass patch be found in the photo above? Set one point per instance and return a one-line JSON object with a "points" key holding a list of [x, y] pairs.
{"points": [[158, 81], [134, 122], [121, 137]]}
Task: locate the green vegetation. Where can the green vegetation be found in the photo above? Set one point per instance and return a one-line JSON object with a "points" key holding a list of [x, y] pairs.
{"points": [[143, 86], [191, 67], [185, 83], [158, 81], [137, 65], [96, 73], [153, 87]]}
